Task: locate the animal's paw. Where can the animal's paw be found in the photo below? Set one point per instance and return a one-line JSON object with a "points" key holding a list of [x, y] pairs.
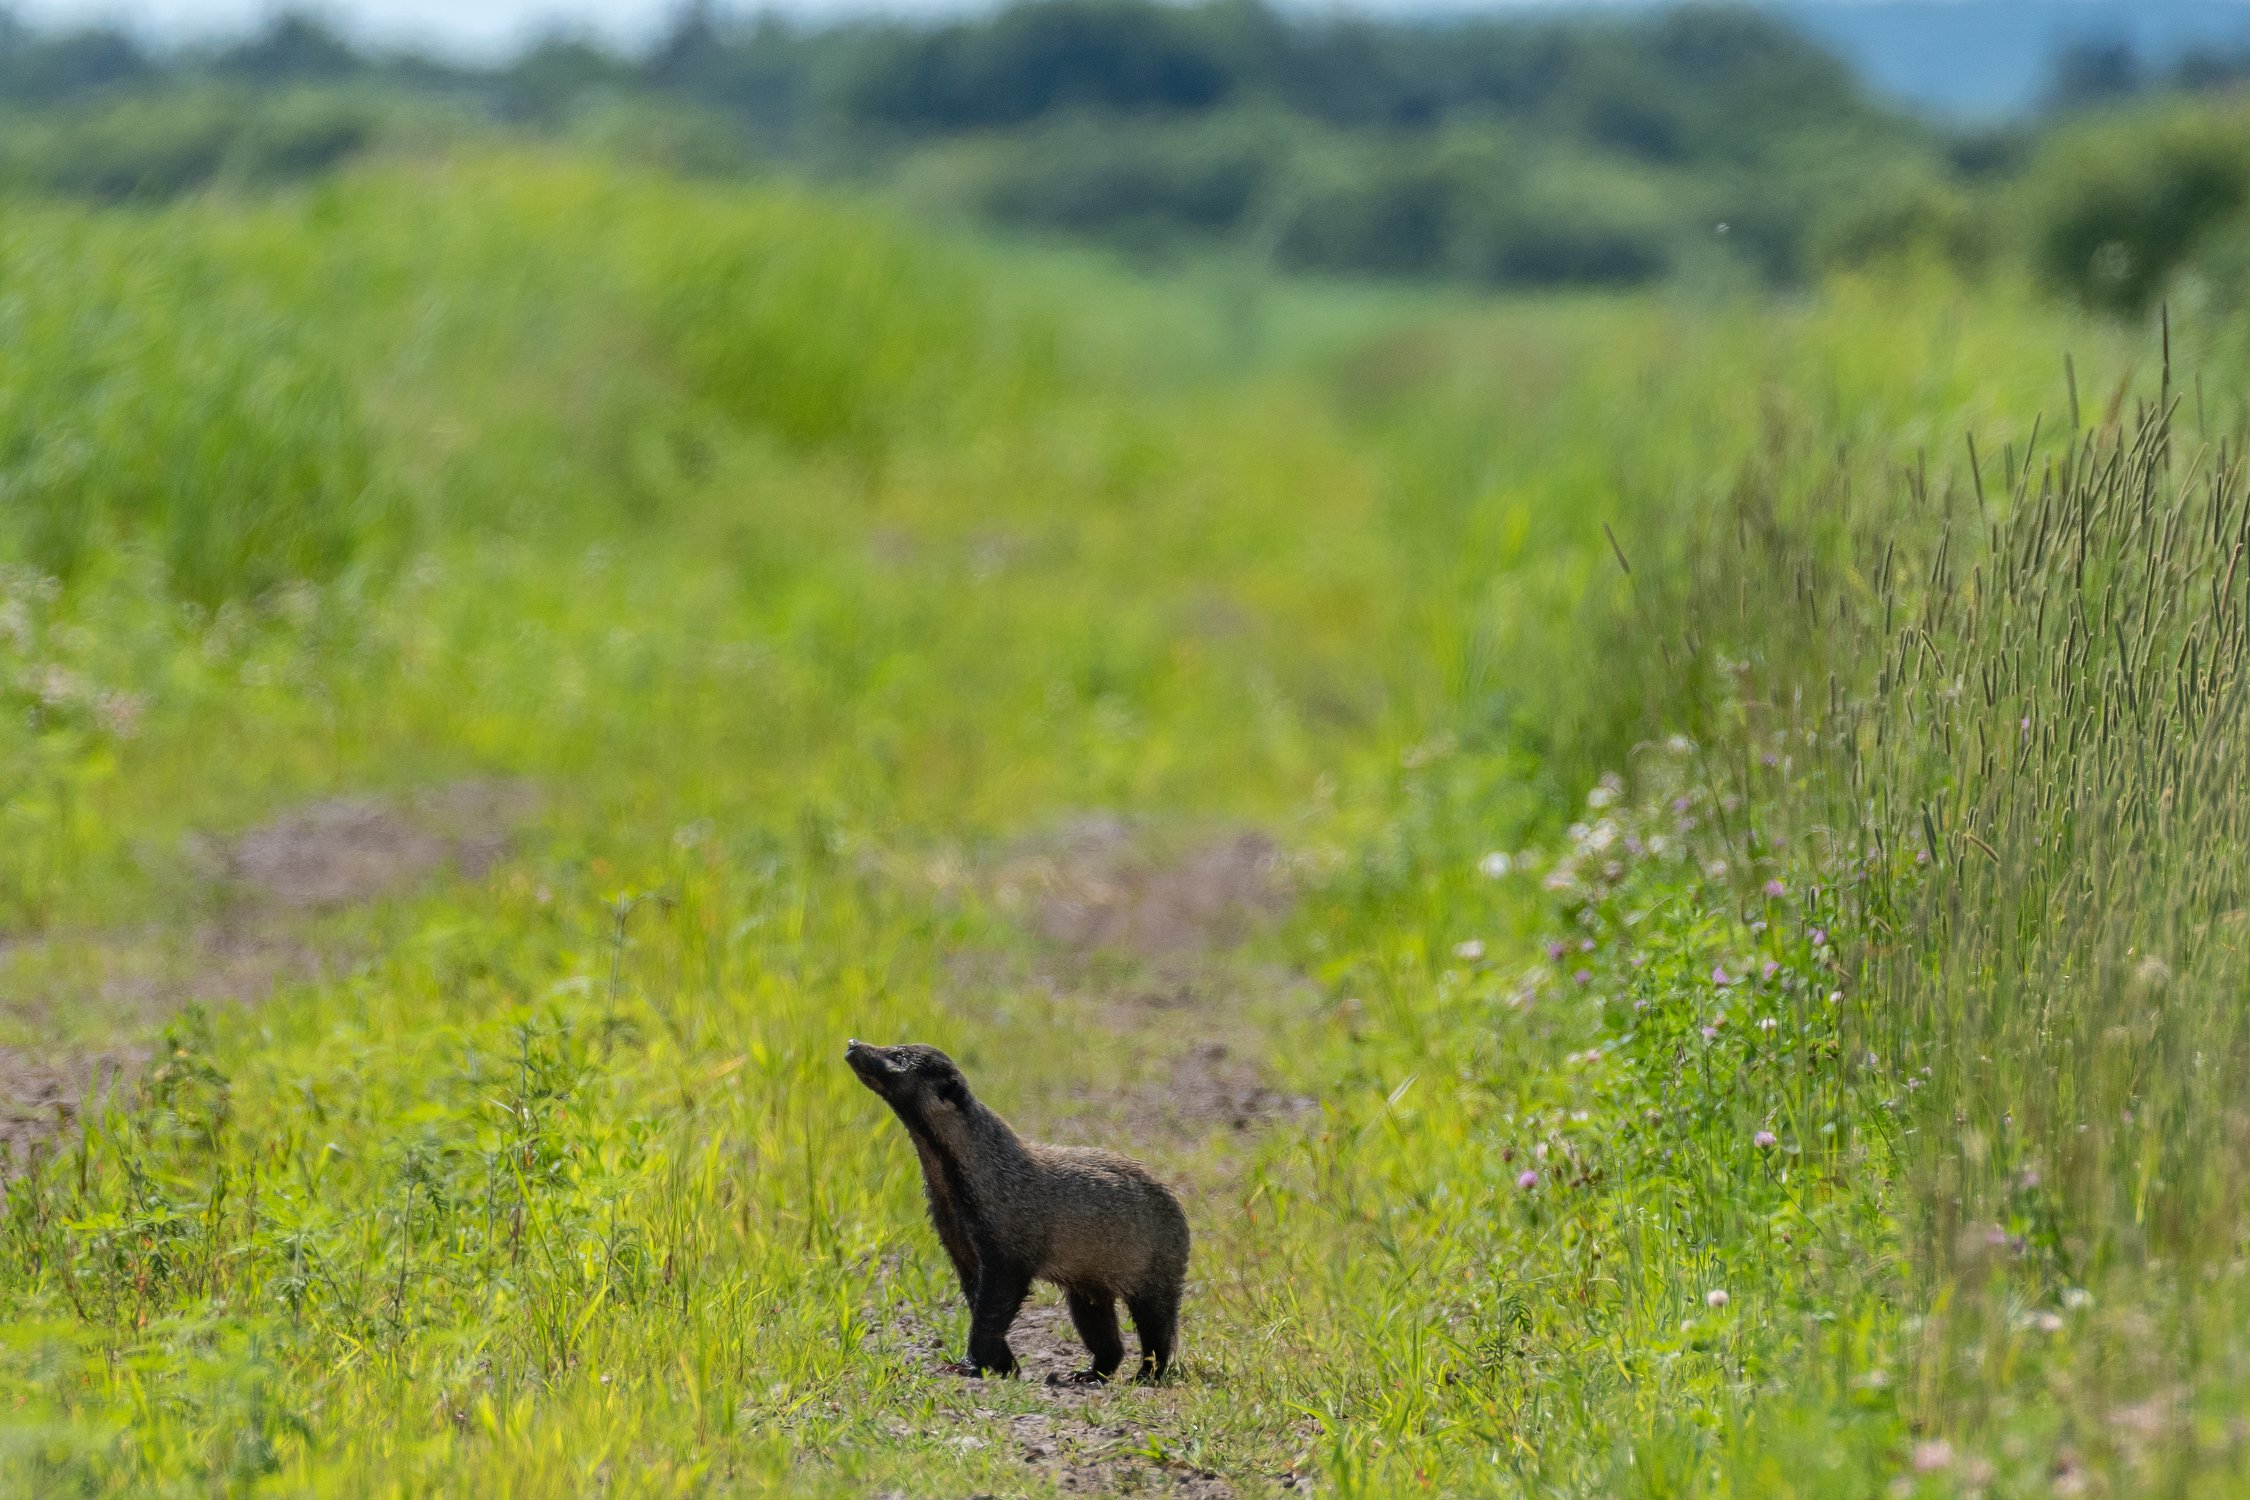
{"points": [[1079, 1377]]}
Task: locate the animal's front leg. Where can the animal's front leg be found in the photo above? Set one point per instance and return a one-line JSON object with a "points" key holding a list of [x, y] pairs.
{"points": [[1001, 1289], [965, 1270]]}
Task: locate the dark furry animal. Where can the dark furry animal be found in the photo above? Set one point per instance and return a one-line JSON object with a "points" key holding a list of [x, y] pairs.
{"points": [[1009, 1211]]}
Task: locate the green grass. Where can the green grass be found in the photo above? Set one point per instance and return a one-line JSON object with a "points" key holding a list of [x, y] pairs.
{"points": [[815, 574]]}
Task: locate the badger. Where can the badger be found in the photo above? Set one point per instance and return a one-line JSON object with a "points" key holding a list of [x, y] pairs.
{"points": [[1009, 1212]]}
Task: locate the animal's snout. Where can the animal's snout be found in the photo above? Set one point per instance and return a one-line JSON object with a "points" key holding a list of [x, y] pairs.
{"points": [[868, 1062]]}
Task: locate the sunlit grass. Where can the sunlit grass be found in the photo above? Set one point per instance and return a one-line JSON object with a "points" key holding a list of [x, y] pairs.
{"points": [[806, 570]]}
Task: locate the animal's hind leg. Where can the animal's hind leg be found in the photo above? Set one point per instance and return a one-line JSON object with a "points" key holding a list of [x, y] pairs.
{"points": [[1156, 1317], [1094, 1314]]}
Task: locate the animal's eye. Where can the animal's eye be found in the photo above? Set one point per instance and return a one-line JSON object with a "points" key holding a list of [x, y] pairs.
{"points": [[949, 1088]]}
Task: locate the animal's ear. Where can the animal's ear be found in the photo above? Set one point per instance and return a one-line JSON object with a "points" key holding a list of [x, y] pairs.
{"points": [[952, 1090]]}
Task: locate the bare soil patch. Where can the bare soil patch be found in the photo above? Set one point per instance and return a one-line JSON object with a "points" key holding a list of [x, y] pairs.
{"points": [[1137, 928], [1214, 1084], [1083, 1439], [40, 1098], [264, 895], [341, 851], [1090, 1439], [1105, 884], [1137, 934]]}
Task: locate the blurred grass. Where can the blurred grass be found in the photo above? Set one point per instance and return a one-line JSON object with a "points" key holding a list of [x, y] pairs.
{"points": [[806, 564]]}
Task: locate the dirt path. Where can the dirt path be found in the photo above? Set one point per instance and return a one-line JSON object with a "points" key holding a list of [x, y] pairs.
{"points": [[1138, 937], [263, 912], [1135, 950]]}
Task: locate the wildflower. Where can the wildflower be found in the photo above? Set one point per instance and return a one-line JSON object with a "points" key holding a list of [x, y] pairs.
{"points": [[1820, 937], [55, 685], [2047, 1322], [1765, 1139], [1606, 791], [1932, 1456], [2077, 1299], [118, 713], [1716, 1297], [1585, 945], [1584, 976], [1527, 1180], [1720, 977], [1469, 951], [1555, 951], [1678, 744], [1768, 970], [1710, 1033], [1767, 1023], [1776, 890], [1835, 997], [1495, 865], [1681, 804]]}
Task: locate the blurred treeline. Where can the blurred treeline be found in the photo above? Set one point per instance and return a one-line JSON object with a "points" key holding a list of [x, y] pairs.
{"points": [[1713, 144]]}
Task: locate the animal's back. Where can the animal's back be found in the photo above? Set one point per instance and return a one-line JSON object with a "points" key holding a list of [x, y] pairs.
{"points": [[1109, 1223]]}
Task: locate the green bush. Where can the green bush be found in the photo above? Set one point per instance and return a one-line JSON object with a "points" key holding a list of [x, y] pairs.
{"points": [[1141, 185], [1471, 203], [162, 144], [827, 328], [1394, 206], [2119, 205], [1911, 216]]}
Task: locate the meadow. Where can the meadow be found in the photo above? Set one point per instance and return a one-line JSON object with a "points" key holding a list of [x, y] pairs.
{"points": [[1662, 874]]}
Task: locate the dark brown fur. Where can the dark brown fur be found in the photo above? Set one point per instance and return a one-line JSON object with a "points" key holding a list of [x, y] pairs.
{"points": [[1009, 1212]]}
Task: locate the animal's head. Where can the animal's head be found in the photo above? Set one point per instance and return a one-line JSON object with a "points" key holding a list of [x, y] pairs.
{"points": [[919, 1082]]}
